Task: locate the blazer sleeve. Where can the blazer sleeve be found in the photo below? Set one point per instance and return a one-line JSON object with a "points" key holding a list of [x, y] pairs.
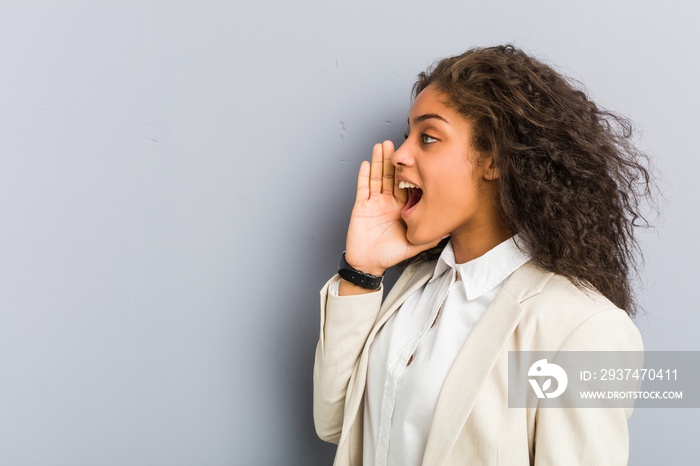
{"points": [[589, 436], [346, 322]]}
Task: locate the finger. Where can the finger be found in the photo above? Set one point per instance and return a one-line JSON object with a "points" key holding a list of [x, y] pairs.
{"points": [[388, 171], [400, 195], [363, 182], [375, 174]]}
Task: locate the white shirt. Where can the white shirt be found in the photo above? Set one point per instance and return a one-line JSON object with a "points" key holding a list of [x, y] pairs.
{"points": [[413, 352]]}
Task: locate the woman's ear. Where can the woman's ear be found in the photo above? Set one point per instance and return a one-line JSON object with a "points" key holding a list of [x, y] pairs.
{"points": [[490, 170]]}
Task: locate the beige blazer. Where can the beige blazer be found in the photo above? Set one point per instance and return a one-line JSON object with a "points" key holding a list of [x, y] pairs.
{"points": [[535, 310]]}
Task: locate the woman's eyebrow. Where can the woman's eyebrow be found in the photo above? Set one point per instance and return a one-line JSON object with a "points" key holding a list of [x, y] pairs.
{"points": [[426, 116]]}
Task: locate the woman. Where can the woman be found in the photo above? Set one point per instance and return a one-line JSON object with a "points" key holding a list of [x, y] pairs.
{"points": [[513, 201]]}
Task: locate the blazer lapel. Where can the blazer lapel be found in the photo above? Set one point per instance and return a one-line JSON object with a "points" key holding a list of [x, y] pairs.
{"points": [[407, 284], [476, 359]]}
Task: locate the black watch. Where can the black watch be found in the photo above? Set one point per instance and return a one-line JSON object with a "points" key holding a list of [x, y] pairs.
{"points": [[357, 277]]}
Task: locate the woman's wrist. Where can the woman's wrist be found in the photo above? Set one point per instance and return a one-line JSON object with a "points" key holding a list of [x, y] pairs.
{"points": [[368, 269], [356, 280]]}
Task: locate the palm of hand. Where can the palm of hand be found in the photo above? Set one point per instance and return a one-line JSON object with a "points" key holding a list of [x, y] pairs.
{"points": [[376, 237]]}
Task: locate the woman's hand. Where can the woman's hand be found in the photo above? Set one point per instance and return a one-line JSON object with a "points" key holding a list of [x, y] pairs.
{"points": [[377, 235]]}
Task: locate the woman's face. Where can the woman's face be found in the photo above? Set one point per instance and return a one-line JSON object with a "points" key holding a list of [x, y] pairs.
{"points": [[454, 194]]}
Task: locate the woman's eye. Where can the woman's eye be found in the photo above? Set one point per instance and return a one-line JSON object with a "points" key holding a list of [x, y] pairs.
{"points": [[427, 139]]}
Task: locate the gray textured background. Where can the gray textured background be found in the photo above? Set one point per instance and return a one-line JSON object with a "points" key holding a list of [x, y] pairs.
{"points": [[175, 183]]}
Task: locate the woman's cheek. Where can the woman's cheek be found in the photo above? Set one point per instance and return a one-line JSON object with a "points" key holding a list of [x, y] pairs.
{"points": [[423, 233]]}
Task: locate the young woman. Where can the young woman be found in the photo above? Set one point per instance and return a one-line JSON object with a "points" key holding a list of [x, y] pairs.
{"points": [[513, 201]]}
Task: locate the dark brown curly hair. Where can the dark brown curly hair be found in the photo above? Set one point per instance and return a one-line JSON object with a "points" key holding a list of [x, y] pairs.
{"points": [[571, 181]]}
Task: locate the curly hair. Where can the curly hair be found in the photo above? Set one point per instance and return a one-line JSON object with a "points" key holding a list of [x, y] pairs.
{"points": [[571, 181]]}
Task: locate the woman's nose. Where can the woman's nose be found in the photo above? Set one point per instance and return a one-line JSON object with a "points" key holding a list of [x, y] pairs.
{"points": [[401, 156]]}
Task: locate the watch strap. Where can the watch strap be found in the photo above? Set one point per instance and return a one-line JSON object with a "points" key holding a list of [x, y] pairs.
{"points": [[358, 277]]}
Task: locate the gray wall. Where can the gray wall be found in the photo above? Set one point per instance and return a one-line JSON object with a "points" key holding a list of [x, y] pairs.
{"points": [[175, 182]]}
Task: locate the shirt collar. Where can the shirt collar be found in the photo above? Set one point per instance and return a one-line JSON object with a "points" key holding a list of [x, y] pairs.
{"points": [[484, 273]]}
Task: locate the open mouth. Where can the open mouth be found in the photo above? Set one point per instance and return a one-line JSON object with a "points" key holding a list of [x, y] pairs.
{"points": [[414, 196]]}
